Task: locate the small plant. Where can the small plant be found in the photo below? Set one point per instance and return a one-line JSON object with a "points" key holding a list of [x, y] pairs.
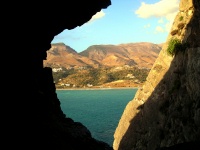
{"points": [[175, 46], [180, 18]]}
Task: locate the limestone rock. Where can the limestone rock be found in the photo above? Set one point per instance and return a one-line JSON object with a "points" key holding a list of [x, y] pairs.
{"points": [[165, 111]]}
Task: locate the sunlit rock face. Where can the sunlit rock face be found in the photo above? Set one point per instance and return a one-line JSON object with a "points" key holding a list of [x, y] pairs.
{"points": [[165, 112]]}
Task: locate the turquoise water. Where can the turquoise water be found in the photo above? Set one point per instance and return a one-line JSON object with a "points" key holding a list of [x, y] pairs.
{"points": [[99, 110]]}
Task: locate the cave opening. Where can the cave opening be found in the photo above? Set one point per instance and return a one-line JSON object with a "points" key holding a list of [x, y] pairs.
{"points": [[102, 61]]}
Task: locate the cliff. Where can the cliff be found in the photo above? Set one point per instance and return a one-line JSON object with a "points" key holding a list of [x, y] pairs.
{"points": [[166, 110]]}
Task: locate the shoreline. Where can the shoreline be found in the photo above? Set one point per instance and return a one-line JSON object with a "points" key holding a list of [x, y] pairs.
{"points": [[103, 88]]}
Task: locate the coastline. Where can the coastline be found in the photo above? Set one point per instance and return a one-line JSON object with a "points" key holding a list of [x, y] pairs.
{"points": [[103, 88]]}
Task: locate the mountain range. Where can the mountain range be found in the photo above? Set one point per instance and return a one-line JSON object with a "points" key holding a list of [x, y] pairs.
{"points": [[142, 54]]}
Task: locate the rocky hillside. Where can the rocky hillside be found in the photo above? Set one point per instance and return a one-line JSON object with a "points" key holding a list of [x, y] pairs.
{"points": [[61, 55], [133, 54], [165, 112]]}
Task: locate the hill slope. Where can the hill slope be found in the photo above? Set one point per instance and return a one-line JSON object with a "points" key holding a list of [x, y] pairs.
{"points": [[61, 55], [133, 54]]}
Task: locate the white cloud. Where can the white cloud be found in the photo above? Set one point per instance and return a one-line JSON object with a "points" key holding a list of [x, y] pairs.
{"points": [[98, 15], [159, 9], [163, 9]]}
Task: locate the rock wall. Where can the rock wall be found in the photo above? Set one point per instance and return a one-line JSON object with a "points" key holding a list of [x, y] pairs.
{"points": [[31, 113], [165, 112]]}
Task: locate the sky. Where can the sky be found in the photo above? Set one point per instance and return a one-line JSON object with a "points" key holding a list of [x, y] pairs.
{"points": [[124, 21]]}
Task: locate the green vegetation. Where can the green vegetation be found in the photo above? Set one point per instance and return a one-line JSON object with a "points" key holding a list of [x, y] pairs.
{"points": [[99, 76], [62, 74], [175, 46], [180, 18]]}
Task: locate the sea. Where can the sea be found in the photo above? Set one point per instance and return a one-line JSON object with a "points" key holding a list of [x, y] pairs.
{"points": [[98, 109]]}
